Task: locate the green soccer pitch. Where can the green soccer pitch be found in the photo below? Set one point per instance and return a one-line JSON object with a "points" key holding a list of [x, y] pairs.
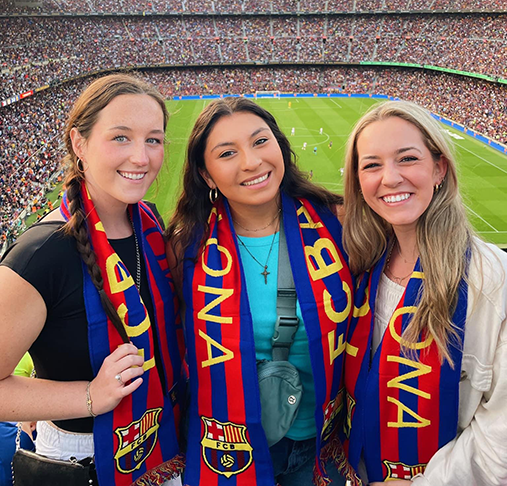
{"points": [[482, 170]]}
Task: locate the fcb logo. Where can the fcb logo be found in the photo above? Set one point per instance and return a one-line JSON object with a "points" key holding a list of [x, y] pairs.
{"points": [[225, 448], [398, 470], [136, 441], [332, 411]]}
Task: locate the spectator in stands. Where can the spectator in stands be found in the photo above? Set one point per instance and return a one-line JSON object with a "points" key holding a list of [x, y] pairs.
{"points": [[87, 292], [242, 190], [427, 379]]}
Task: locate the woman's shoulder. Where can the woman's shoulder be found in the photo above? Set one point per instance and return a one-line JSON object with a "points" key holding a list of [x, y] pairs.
{"points": [[489, 259], [488, 273], [42, 240]]}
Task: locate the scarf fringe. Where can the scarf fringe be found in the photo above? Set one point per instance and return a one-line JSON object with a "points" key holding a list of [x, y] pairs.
{"points": [[164, 472], [334, 451]]}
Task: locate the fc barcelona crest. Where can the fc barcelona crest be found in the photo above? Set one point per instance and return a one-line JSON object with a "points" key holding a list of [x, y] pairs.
{"points": [[398, 470], [225, 448], [331, 413], [137, 441]]}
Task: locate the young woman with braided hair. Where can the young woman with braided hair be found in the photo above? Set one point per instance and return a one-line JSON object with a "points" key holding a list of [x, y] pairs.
{"points": [[88, 291]]}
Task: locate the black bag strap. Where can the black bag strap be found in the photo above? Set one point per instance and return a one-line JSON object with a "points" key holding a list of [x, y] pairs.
{"points": [[287, 322]]}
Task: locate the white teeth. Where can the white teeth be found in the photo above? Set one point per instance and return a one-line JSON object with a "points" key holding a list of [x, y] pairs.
{"points": [[130, 175], [256, 181], [397, 198]]}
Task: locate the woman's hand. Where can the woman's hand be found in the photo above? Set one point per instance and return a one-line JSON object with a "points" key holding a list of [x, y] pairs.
{"points": [[118, 377]]}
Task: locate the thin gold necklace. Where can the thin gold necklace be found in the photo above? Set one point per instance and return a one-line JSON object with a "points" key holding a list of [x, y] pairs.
{"points": [[264, 272], [396, 279], [259, 229]]}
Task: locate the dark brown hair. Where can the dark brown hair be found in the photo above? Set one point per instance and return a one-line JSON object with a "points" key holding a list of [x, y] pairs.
{"points": [[83, 116], [193, 208]]}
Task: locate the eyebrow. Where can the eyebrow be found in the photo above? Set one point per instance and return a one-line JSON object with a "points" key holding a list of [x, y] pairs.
{"points": [[398, 152], [128, 129], [406, 149], [254, 133]]}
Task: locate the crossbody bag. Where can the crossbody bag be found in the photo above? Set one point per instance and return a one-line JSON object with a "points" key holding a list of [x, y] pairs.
{"points": [[280, 386]]}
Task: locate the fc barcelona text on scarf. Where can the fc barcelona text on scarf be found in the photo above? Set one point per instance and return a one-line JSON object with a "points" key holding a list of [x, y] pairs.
{"points": [[226, 436]]}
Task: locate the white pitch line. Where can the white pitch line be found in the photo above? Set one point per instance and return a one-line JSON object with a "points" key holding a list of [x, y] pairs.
{"points": [[336, 103], [492, 232], [481, 218], [485, 160], [331, 183]]}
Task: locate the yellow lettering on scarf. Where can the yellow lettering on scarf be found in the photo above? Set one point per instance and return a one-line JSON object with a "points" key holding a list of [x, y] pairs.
{"points": [[335, 352], [351, 350], [228, 354], [311, 223], [222, 295], [328, 305], [212, 212], [116, 285], [400, 423], [420, 370], [148, 364], [133, 331], [225, 251], [365, 308], [321, 268], [100, 227], [399, 312], [340, 348]]}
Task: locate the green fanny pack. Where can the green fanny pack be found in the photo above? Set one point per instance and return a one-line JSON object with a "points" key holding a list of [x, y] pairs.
{"points": [[281, 392], [280, 386]]}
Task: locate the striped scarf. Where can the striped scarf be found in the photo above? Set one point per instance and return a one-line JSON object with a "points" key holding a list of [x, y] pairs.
{"points": [[401, 407], [136, 443], [226, 439]]}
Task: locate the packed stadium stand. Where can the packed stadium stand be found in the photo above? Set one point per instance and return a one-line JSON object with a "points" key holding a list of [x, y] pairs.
{"points": [[50, 48]]}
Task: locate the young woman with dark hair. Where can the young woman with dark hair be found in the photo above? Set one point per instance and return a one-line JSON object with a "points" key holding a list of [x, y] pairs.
{"points": [[241, 187]]}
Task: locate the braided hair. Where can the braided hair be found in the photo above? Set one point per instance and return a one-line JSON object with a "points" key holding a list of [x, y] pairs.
{"points": [[83, 117]]}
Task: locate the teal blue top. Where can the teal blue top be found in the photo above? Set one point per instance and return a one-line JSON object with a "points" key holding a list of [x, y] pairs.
{"points": [[262, 298]]}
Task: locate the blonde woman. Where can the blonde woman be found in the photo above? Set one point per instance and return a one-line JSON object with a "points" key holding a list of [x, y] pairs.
{"points": [[426, 369]]}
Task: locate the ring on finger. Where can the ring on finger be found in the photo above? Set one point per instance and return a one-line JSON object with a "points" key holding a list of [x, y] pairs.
{"points": [[119, 380]]}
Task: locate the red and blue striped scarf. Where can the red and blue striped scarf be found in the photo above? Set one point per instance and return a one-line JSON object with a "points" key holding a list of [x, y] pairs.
{"points": [[401, 408], [136, 443], [227, 444]]}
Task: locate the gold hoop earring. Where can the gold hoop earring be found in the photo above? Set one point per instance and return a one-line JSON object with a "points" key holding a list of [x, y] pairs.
{"points": [[79, 165], [438, 186], [213, 195]]}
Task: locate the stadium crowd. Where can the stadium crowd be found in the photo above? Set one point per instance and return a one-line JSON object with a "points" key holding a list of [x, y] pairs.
{"points": [[29, 147], [29, 155], [248, 6], [42, 51]]}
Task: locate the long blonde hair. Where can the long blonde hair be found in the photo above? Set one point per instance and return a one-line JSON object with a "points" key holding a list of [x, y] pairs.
{"points": [[443, 231]]}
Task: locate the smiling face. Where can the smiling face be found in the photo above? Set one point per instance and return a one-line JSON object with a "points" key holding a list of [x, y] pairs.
{"points": [[244, 160], [124, 152], [397, 173]]}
